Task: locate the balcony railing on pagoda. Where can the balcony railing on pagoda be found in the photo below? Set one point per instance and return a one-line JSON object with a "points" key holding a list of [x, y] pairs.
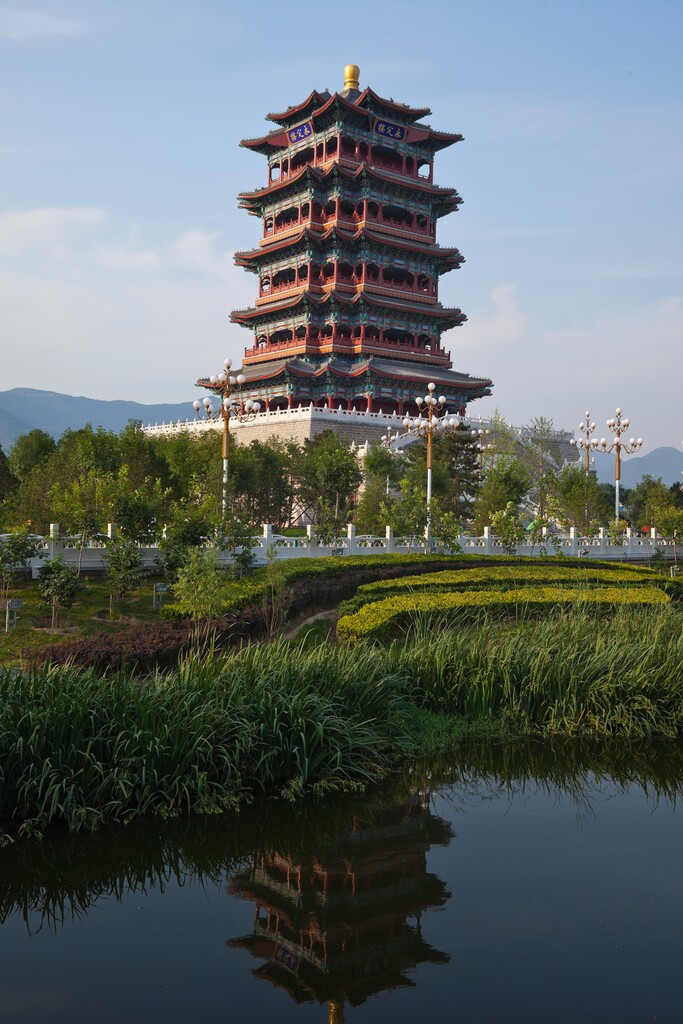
{"points": [[371, 341], [349, 215], [389, 281], [352, 152]]}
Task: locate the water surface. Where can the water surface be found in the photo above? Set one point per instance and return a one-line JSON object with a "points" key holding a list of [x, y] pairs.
{"points": [[526, 883]]}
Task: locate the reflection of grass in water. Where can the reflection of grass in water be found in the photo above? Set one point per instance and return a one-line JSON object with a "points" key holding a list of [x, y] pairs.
{"points": [[51, 883]]}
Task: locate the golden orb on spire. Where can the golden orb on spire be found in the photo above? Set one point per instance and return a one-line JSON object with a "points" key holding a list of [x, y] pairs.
{"points": [[351, 76]]}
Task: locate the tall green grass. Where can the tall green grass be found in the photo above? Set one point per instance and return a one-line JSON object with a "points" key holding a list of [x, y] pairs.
{"points": [[287, 719], [86, 749]]}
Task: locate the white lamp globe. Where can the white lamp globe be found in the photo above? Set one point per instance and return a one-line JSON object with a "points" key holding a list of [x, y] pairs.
{"points": [[639, 441], [406, 423], [618, 412], [625, 422], [632, 442], [207, 403], [231, 379], [431, 387], [213, 379], [241, 378], [593, 426], [227, 363], [249, 405], [196, 405], [572, 441], [257, 406], [226, 403], [222, 376], [418, 401], [603, 442], [442, 399], [582, 426]]}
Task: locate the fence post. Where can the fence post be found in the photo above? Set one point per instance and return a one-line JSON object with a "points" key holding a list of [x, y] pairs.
{"points": [[603, 540], [487, 540], [111, 530], [52, 548], [573, 543], [310, 533], [654, 537], [267, 534], [351, 538], [389, 534]]}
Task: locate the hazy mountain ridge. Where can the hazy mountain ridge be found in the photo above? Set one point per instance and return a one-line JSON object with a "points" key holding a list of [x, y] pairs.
{"points": [[665, 462], [23, 409]]}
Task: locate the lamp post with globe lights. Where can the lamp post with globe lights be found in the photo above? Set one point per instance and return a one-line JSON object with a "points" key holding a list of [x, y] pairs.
{"points": [[618, 424], [226, 386], [387, 441], [481, 446], [586, 444], [426, 424]]}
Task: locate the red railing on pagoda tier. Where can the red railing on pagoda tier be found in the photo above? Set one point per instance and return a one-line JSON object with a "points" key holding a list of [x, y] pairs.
{"points": [[386, 216], [416, 287], [352, 153], [425, 351]]}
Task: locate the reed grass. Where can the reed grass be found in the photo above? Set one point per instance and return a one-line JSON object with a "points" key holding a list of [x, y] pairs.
{"points": [[287, 719]]}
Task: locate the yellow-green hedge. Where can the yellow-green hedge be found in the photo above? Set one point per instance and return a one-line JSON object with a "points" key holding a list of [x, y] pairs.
{"points": [[480, 578], [380, 617]]}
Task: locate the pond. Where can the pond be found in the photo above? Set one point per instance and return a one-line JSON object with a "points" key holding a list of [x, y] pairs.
{"points": [[520, 883]]}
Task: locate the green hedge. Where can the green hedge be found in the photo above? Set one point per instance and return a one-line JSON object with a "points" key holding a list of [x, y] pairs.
{"points": [[377, 620], [497, 577], [249, 590]]}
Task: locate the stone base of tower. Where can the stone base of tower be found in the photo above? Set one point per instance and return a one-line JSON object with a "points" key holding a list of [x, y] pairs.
{"points": [[298, 425]]}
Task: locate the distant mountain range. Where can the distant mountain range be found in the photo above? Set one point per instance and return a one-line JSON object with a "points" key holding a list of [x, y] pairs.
{"points": [[666, 463], [24, 409]]}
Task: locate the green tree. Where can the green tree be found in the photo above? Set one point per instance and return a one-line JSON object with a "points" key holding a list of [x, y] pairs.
{"points": [[407, 514], [327, 476], [59, 585], [507, 482], [642, 500], [29, 451], [15, 550], [198, 588], [507, 526], [124, 569], [81, 508], [541, 455], [582, 502], [8, 481]]}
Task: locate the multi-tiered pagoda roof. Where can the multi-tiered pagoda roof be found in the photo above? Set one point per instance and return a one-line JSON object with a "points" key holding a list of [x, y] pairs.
{"points": [[348, 312]]}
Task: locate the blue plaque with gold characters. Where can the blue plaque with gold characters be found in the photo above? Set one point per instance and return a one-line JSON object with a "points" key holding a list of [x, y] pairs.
{"points": [[389, 130], [304, 131]]}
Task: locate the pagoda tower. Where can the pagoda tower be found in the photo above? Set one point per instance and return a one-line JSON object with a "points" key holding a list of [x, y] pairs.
{"points": [[348, 313]]}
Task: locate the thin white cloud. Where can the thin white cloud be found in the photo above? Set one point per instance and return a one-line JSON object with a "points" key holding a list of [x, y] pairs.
{"points": [[19, 25], [502, 323], [46, 227]]}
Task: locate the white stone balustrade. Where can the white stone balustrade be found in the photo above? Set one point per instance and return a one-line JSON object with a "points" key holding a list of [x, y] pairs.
{"points": [[633, 548]]}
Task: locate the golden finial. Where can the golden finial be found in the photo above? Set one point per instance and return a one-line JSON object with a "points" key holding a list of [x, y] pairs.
{"points": [[351, 76]]}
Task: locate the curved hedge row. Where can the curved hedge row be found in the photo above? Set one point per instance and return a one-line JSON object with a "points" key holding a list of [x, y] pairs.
{"points": [[489, 576], [377, 620]]}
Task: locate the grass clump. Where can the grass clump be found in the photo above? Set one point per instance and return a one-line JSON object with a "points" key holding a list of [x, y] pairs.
{"points": [[86, 749]]}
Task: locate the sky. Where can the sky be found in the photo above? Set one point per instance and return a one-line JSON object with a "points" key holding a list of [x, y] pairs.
{"points": [[120, 166]]}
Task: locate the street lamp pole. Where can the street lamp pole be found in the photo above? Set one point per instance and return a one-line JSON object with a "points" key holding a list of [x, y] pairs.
{"points": [[387, 440], [427, 423], [481, 446], [618, 425], [585, 443], [228, 388]]}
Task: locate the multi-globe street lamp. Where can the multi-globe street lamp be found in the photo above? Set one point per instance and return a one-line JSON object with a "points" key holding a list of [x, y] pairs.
{"points": [[226, 386], [426, 424], [387, 441], [618, 424], [586, 444], [481, 445]]}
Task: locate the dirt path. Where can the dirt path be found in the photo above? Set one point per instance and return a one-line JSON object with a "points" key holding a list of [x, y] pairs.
{"points": [[292, 628]]}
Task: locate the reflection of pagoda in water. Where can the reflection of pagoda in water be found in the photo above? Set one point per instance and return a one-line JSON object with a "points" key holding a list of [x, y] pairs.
{"points": [[347, 926]]}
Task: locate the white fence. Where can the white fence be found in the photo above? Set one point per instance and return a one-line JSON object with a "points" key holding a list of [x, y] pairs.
{"points": [[634, 548]]}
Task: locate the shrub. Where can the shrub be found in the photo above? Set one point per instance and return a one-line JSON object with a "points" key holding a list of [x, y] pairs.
{"points": [[378, 619]]}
